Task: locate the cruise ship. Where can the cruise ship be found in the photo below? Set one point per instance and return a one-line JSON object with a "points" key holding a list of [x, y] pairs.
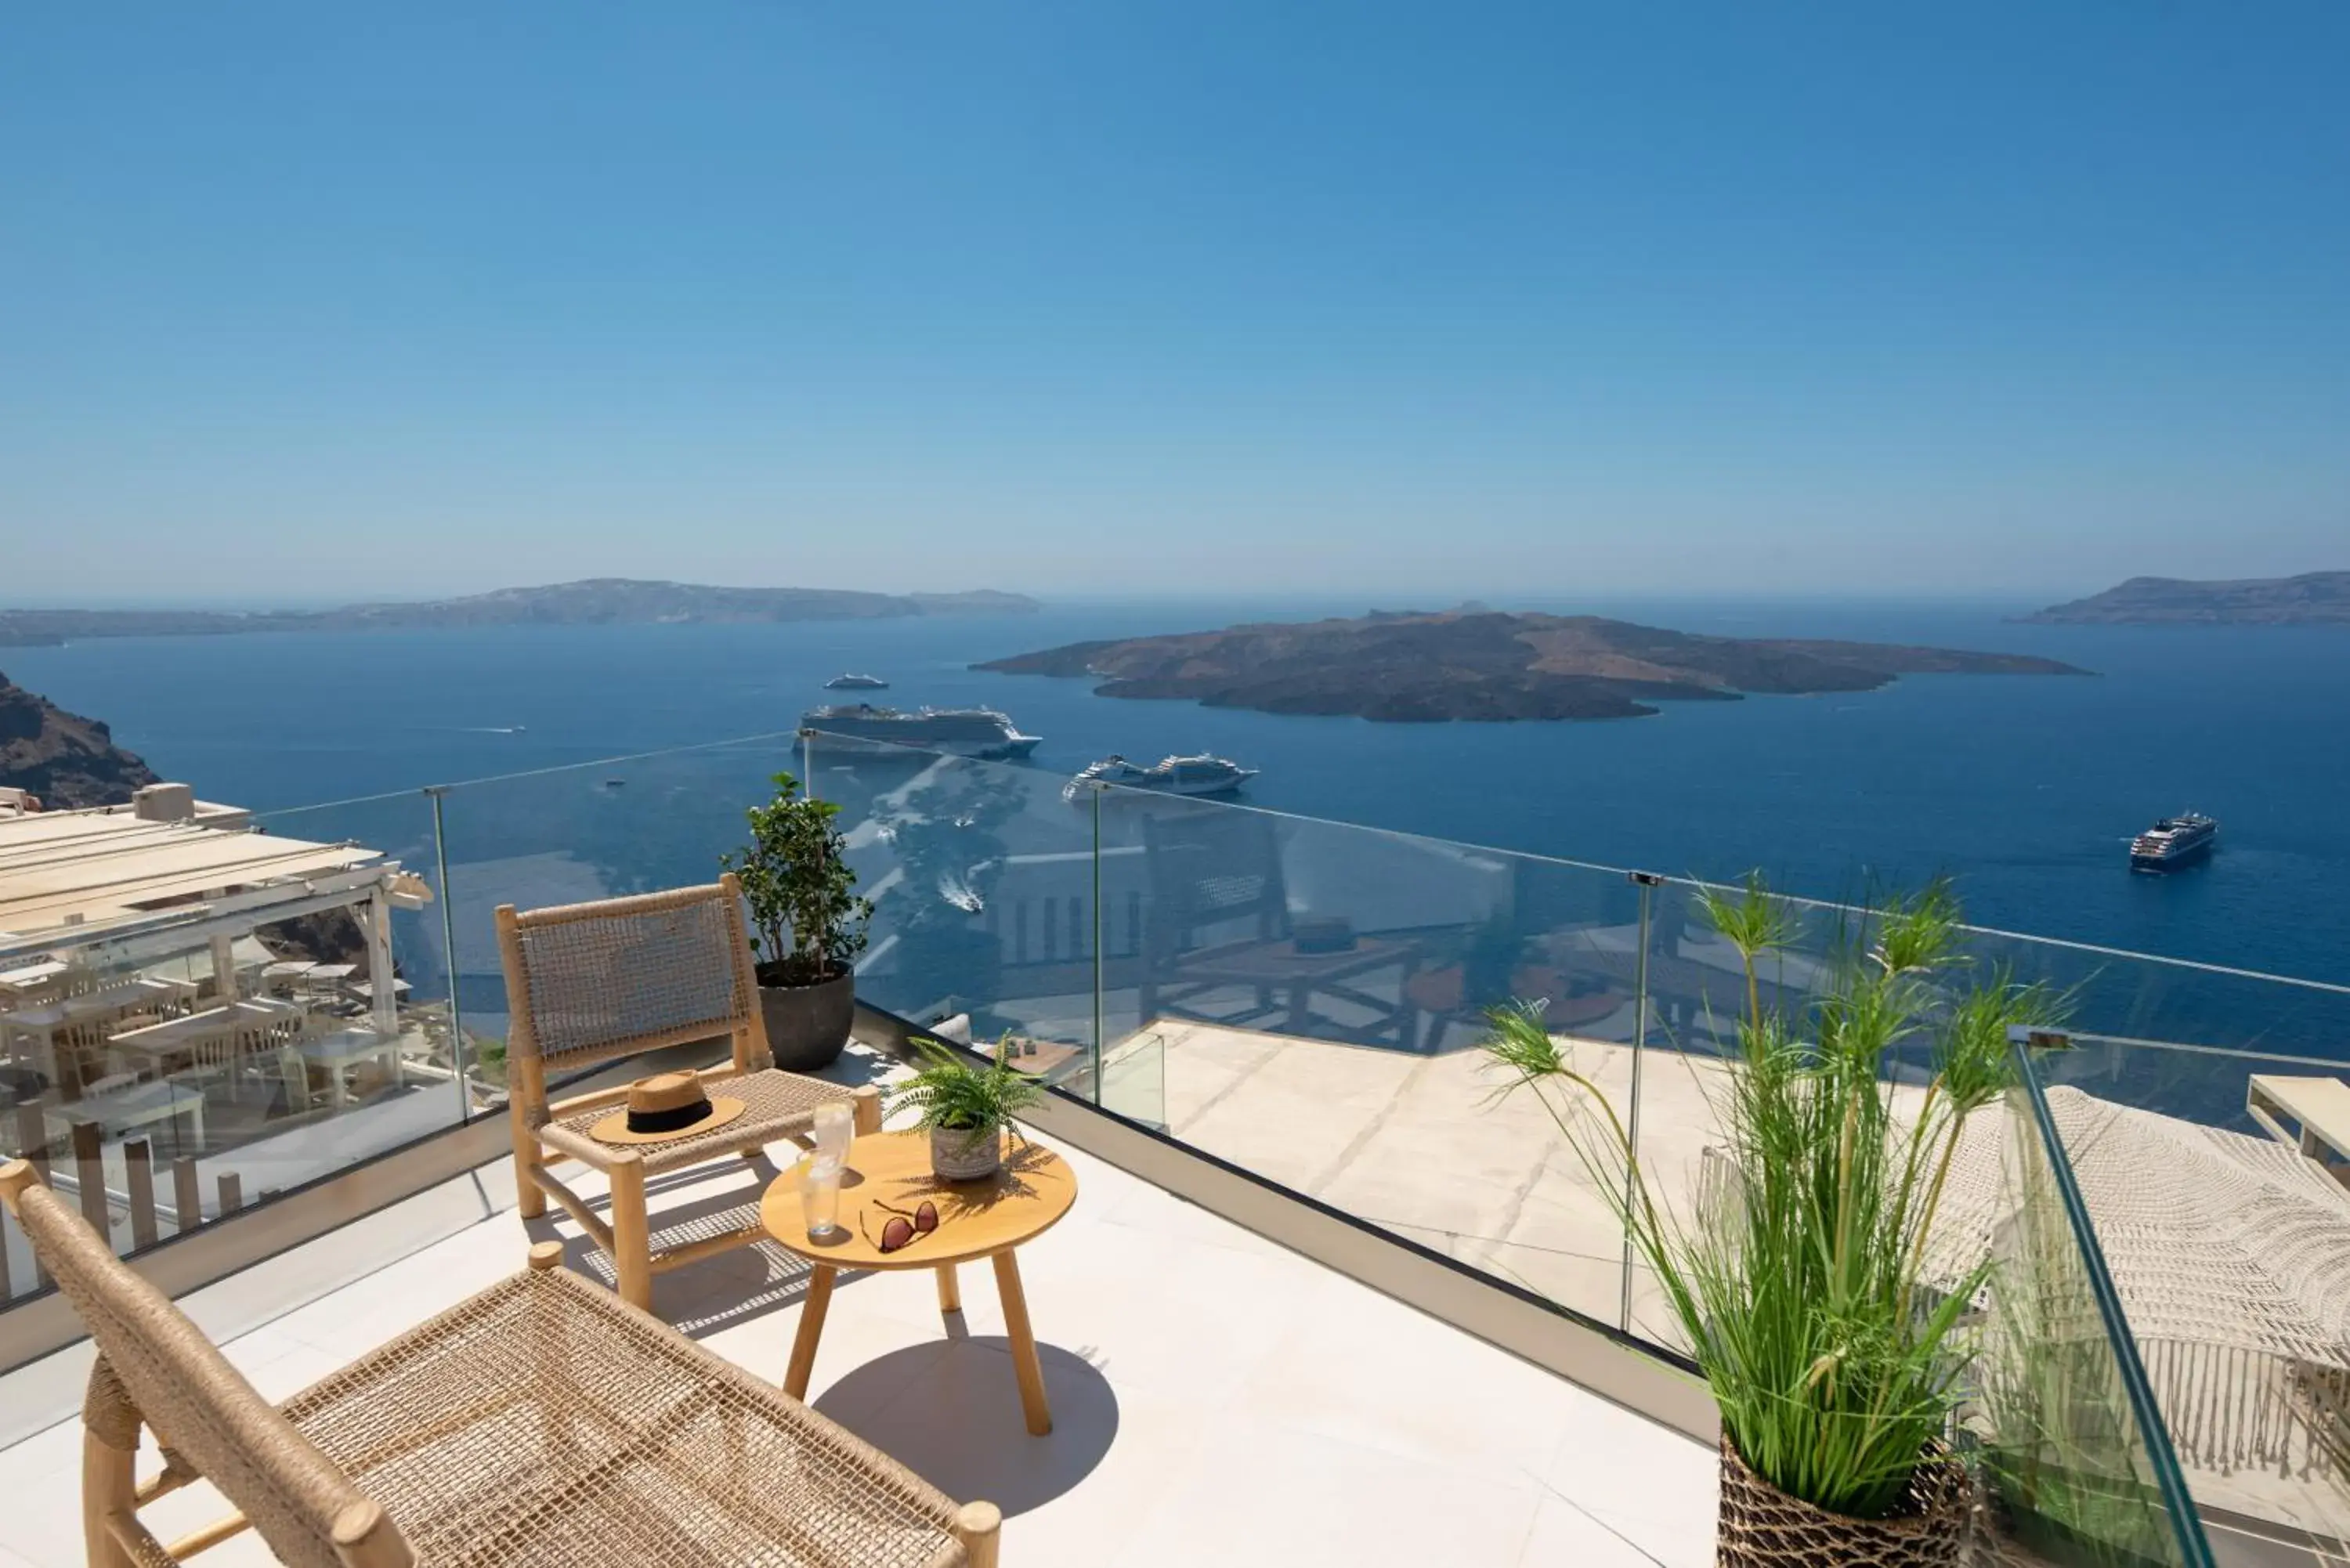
{"points": [[959, 731], [2174, 841], [1201, 774], [857, 683]]}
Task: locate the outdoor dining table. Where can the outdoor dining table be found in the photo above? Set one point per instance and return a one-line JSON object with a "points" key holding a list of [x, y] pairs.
{"points": [[33, 977], [282, 977], [158, 1042], [117, 1111], [344, 1049], [44, 1023]]}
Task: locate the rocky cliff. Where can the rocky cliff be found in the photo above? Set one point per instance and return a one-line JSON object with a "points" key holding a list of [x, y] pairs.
{"points": [[63, 758], [1477, 664]]}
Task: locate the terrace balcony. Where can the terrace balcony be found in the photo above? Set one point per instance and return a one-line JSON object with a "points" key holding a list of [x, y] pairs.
{"points": [[1322, 1299]]}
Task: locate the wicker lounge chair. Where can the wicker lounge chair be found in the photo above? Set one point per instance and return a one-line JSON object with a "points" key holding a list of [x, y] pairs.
{"points": [[587, 983], [542, 1421]]}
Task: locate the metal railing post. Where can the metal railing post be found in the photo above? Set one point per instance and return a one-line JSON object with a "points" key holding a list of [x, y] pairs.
{"points": [[457, 1044], [1099, 1086], [1648, 882]]}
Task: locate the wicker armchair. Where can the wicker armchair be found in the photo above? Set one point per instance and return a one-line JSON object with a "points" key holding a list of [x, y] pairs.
{"points": [[542, 1421], [590, 982]]}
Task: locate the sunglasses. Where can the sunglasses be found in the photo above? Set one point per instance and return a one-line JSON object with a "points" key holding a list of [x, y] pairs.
{"points": [[902, 1228]]}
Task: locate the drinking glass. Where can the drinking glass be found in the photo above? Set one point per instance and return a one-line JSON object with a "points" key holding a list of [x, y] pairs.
{"points": [[820, 1195], [835, 1127]]}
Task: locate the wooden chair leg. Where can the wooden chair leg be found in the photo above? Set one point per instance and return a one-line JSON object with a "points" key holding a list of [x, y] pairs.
{"points": [[866, 1116], [108, 1486], [530, 1199], [631, 1233], [978, 1526], [365, 1537]]}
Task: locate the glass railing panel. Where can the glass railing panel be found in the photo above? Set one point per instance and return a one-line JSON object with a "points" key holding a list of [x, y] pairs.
{"points": [[2074, 1456], [573, 834], [1133, 1079], [2199, 1111], [986, 915], [1702, 988], [2216, 1182], [1320, 995], [213, 1046]]}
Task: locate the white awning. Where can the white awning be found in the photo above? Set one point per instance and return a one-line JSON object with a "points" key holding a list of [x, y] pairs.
{"points": [[96, 869]]}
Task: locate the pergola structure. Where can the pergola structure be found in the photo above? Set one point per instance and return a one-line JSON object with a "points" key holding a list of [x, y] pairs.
{"points": [[122, 886]]}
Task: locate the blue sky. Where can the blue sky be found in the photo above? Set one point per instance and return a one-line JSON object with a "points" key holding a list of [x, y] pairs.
{"points": [[330, 302]]}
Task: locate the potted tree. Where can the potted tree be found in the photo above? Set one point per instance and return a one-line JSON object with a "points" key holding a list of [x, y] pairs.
{"points": [[1803, 1298], [965, 1107], [807, 925]]}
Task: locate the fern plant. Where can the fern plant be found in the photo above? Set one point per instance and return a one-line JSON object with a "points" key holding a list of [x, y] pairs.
{"points": [[952, 1094]]}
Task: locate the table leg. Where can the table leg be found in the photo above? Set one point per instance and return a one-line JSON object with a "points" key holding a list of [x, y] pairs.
{"points": [[950, 1291], [1023, 1345], [812, 1310]]}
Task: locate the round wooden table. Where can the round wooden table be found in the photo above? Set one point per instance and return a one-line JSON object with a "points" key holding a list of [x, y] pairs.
{"points": [[888, 1176]]}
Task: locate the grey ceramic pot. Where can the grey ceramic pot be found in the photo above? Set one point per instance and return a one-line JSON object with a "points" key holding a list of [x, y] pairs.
{"points": [[808, 1024]]}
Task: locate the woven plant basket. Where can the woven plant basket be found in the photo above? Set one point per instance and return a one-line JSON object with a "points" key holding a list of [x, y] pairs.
{"points": [[959, 1155], [1762, 1527]]}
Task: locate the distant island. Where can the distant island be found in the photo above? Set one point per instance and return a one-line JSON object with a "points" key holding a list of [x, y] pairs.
{"points": [[597, 601], [65, 759], [2313, 598], [1476, 664]]}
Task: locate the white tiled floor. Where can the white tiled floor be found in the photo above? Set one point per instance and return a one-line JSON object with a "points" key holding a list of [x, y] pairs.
{"points": [[1216, 1398]]}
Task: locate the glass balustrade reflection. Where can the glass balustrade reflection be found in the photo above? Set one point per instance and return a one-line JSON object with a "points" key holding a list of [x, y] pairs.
{"points": [[1305, 1001], [982, 877], [599, 829], [1318, 993], [2077, 1463], [202, 1048]]}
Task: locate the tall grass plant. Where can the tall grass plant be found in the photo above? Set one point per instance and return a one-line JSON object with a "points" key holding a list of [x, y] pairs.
{"points": [[1835, 1363]]}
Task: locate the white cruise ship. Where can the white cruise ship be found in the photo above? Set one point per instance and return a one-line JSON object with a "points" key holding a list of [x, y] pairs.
{"points": [[1203, 774], [959, 731]]}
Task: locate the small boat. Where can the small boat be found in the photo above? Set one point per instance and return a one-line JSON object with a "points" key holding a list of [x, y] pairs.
{"points": [[2173, 842], [857, 683], [1201, 774]]}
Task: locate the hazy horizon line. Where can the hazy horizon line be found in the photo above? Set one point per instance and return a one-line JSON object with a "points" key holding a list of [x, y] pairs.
{"points": [[1384, 597]]}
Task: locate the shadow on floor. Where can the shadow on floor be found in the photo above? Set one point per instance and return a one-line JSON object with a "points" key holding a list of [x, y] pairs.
{"points": [[950, 1411], [711, 1293]]}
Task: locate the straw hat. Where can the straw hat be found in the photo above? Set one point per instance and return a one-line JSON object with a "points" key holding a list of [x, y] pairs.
{"points": [[664, 1107]]}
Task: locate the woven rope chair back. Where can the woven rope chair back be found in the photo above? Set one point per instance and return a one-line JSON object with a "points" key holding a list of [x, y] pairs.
{"points": [[157, 1366], [1214, 868], [591, 982]]}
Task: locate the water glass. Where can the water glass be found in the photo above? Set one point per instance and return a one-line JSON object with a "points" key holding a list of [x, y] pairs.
{"points": [[820, 1195], [835, 1127]]}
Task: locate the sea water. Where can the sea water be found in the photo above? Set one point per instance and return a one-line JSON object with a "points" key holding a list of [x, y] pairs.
{"points": [[2026, 789]]}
